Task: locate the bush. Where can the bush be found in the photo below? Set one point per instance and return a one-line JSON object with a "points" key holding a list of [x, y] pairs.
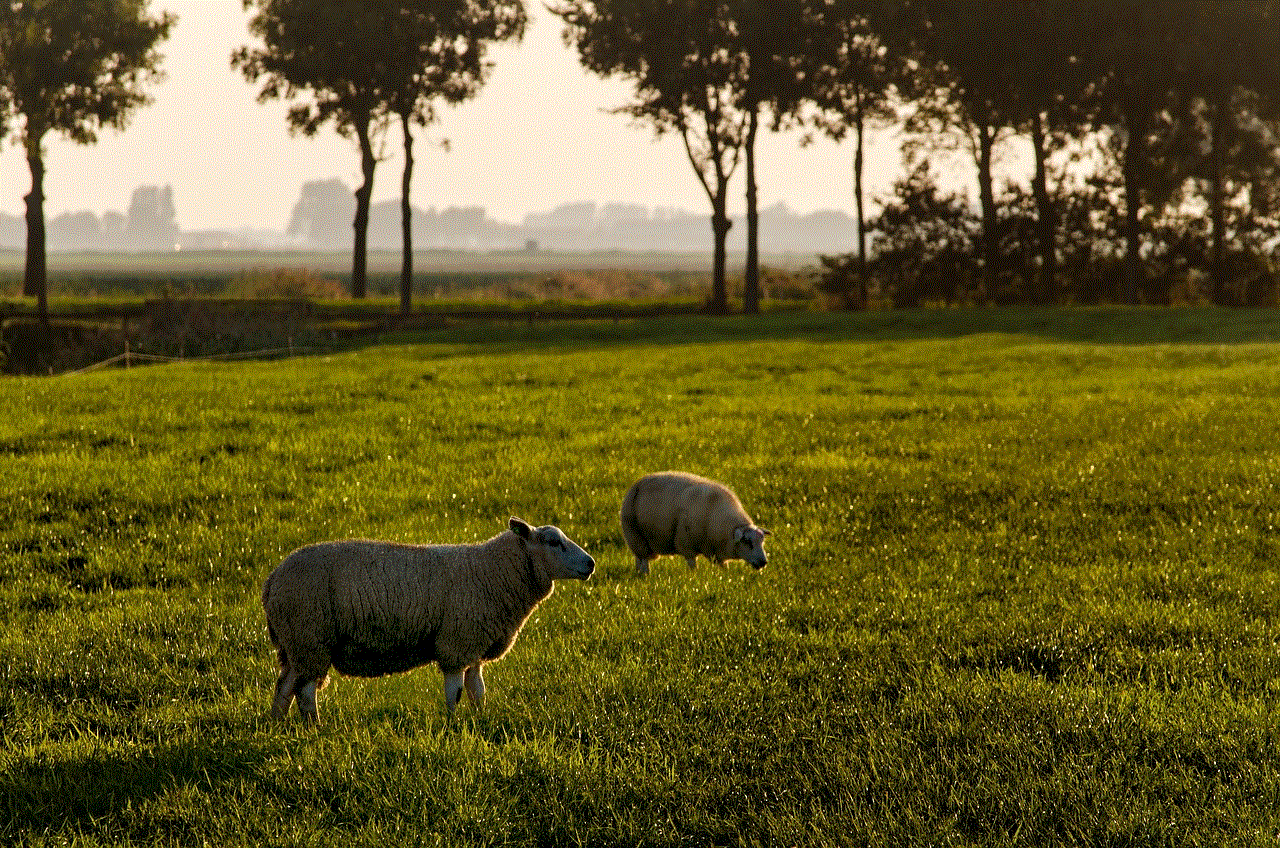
{"points": [[287, 283], [781, 284], [840, 279]]}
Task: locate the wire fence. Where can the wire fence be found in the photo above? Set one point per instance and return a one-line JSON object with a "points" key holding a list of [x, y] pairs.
{"points": [[129, 357], [197, 318]]}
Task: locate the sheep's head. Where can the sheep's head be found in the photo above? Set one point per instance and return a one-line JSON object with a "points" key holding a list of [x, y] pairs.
{"points": [[562, 559], [748, 545]]}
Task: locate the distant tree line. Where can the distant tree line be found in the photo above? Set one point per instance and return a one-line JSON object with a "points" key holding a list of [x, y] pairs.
{"points": [[321, 220], [324, 211], [149, 224]]}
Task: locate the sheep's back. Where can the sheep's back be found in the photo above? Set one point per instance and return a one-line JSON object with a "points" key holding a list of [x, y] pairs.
{"points": [[679, 510]]}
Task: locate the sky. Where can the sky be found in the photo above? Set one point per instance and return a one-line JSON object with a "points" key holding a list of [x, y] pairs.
{"points": [[540, 134]]}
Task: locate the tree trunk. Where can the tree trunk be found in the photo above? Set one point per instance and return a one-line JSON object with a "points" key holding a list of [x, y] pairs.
{"points": [[1217, 254], [720, 225], [35, 276], [858, 134], [1046, 219], [406, 222], [1131, 165], [720, 222], [751, 272], [359, 253], [986, 194]]}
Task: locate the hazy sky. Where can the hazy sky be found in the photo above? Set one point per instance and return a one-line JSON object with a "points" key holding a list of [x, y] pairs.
{"points": [[537, 136]]}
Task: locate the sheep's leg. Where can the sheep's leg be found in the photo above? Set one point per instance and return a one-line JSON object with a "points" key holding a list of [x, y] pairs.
{"points": [[307, 702], [642, 566], [475, 685], [692, 559], [284, 693], [452, 689]]}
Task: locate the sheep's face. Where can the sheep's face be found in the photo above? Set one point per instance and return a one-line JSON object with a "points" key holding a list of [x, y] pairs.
{"points": [[748, 545], [559, 556]]}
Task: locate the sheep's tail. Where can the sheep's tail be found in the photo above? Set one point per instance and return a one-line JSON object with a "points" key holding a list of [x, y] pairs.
{"points": [[631, 531]]}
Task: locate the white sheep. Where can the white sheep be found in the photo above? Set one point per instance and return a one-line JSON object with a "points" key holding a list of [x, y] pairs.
{"points": [[373, 608], [677, 513]]}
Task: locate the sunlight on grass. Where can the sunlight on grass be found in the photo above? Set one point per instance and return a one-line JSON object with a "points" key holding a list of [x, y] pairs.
{"points": [[1022, 588]]}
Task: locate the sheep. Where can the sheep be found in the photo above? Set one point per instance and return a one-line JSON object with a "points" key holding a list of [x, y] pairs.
{"points": [[370, 608], [677, 513]]}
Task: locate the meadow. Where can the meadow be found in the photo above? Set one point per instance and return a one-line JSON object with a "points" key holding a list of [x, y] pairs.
{"points": [[1022, 590]]}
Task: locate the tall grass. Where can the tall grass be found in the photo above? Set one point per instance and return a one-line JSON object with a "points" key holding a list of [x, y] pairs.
{"points": [[1023, 587]]}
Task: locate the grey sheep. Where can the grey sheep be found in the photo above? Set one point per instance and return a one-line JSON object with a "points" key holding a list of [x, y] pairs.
{"points": [[673, 512], [373, 608]]}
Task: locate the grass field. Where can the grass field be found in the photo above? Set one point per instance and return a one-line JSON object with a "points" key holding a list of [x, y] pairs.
{"points": [[438, 274], [1022, 591]]}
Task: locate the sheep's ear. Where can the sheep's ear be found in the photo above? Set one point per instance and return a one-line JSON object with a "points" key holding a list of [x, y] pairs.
{"points": [[520, 528], [764, 531]]}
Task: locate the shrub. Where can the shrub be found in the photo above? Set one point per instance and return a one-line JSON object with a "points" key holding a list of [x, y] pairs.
{"points": [[288, 283]]}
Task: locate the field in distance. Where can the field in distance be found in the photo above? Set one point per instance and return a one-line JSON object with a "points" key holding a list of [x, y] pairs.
{"points": [[1022, 586], [448, 274], [180, 263]]}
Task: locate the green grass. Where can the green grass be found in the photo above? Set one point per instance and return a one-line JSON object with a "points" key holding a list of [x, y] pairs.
{"points": [[1023, 587]]}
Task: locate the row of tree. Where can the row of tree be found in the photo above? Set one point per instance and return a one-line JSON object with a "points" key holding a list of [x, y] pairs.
{"points": [[1153, 130], [74, 67], [1143, 119], [1151, 126]]}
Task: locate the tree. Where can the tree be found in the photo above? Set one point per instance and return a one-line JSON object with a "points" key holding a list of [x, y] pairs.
{"points": [[1053, 100], [72, 68], [852, 76], [965, 91], [1228, 55], [331, 54], [686, 80], [924, 242], [435, 52], [773, 40], [1130, 55]]}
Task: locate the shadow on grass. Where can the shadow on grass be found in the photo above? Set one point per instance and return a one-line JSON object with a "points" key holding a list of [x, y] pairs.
{"points": [[1084, 325], [585, 330], [42, 797]]}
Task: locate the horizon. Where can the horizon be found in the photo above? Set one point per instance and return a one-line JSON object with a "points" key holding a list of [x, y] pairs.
{"points": [[505, 155], [325, 224]]}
